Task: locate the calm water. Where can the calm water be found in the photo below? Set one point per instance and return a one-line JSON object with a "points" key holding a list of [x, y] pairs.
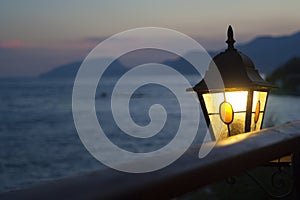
{"points": [[38, 139]]}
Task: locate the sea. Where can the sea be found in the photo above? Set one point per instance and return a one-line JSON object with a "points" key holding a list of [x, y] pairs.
{"points": [[39, 141]]}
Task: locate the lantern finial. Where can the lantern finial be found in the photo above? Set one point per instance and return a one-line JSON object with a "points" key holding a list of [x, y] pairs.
{"points": [[230, 41]]}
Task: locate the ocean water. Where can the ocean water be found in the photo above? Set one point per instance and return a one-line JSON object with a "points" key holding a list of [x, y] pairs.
{"points": [[39, 142]]}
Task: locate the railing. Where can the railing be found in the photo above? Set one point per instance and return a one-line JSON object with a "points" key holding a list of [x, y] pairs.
{"points": [[229, 157]]}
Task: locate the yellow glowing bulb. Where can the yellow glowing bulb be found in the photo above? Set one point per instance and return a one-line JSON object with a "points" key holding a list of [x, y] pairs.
{"points": [[238, 100]]}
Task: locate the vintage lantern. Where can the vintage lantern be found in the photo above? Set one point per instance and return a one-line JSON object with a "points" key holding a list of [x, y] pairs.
{"points": [[240, 105]]}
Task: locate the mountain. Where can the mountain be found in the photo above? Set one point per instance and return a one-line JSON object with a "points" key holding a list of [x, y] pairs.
{"points": [[70, 70], [64, 71], [266, 52], [287, 77], [125, 62]]}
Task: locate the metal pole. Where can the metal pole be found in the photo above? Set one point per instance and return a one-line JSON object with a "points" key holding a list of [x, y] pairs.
{"points": [[296, 172]]}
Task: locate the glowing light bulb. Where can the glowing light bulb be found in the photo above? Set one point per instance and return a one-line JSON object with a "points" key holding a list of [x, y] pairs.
{"points": [[238, 100]]}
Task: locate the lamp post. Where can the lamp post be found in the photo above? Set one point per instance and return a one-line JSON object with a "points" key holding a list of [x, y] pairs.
{"points": [[239, 106]]}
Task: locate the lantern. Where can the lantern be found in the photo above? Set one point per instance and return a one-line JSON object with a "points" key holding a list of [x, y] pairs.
{"points": [[240, 105]]}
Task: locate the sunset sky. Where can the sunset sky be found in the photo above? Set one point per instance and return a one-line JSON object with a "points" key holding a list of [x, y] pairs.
{"points": [[37, 35]]}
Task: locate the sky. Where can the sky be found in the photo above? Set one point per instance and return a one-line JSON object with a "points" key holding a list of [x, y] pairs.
{"points": [[38, 35]]}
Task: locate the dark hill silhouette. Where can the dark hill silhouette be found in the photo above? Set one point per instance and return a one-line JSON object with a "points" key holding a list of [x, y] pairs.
{"points": [[266, 52], [65, 71], [123, 64], [287, 77], [70, 70], [270, 52]]}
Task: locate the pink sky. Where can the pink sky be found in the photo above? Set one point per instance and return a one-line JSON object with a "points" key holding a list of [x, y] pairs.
{"points": [[39, 35]]}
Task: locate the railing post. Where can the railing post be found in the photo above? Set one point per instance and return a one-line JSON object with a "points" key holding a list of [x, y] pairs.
{"points": [[296, 172]]}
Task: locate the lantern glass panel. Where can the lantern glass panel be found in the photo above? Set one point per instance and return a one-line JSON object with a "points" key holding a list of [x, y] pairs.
{"points": [[259, 96], [238, 124], [238, 101], [213, 101], [219, 128], [258, 109]]}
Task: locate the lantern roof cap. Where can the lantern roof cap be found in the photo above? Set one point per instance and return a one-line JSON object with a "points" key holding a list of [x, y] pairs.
{"points": [[236, 69], [230, 41]]}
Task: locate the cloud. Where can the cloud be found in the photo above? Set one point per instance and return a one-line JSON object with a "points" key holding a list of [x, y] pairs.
{"points": [[93, 40], [13, 44], [18, 58], [81, 44]]}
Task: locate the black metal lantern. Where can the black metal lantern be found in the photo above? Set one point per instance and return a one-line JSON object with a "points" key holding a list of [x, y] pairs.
{"points": [[240, 105]]}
